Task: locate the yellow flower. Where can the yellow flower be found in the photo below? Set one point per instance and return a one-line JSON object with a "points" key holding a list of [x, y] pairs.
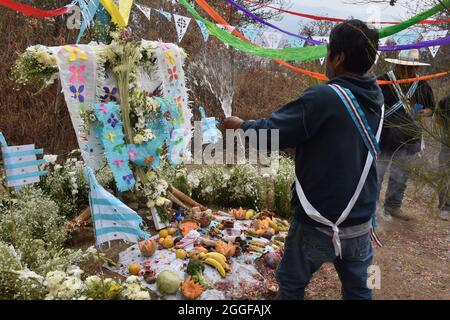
{"points": [[75, 53]]}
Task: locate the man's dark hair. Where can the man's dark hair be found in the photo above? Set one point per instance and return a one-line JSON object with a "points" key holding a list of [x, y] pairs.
{"points": [[358, 42]]}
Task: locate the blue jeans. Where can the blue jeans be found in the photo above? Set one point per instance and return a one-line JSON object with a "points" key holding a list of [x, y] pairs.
{"points": [[306, 249], [398, 164]]}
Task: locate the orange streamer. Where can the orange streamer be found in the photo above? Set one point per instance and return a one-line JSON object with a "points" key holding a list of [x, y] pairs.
{"points": [[218, 19]]}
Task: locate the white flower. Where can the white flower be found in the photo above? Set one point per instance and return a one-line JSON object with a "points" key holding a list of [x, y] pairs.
{"points": [[74, 192], [54, 278], [75, 271], [132, 279], [92, 281], [133, 288], [160, 201], [141, 295], [58, 167], [72, 284], [72, 173], [150, 203], [28, 274], [50, 158], [91, 250]]}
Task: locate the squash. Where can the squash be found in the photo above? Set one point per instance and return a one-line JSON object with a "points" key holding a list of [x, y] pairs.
{"points": [[239, 214], [227, 249], [191, 290], [188, 225], [147, 247]]}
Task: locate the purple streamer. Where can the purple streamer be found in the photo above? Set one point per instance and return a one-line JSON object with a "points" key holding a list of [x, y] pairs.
{"points": [[418, 45], [255, 17]]}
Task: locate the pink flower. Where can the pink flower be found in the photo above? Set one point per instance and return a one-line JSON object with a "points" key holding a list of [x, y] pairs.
{"points": [[77, 74]]}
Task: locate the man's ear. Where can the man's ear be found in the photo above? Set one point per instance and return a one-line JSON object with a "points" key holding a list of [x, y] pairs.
{"points": [[339, 59]]}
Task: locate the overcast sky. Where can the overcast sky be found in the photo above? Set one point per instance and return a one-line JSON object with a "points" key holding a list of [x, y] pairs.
{"points": [[341, 9]]}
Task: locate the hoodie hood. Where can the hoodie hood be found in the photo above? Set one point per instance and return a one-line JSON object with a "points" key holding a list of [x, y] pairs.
{"points": [[365, 89]]}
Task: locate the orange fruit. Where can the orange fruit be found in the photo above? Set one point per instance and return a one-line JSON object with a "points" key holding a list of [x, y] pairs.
{"points": [[134, 268], [163, 233], [168, 242], [172, 231]]}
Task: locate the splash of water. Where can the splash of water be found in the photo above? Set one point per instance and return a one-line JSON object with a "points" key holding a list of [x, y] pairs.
{"points": [[216, 74]]}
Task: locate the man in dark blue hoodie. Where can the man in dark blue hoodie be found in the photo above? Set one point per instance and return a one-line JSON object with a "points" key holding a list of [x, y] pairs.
{"points": [[334, 128]]}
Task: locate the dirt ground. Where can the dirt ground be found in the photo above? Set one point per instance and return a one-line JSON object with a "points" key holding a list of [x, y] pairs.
{"points": [[414, 260]]}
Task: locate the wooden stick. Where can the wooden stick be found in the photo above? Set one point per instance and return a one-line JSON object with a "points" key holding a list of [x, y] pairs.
{"points": [[177, 201], [186, 199]]}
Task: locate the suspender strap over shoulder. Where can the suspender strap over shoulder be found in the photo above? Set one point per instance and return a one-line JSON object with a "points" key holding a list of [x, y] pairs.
{"points": [[371, 142]]}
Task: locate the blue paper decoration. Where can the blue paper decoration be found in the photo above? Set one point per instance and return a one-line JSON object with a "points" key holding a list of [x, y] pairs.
{"points": [[21, 165], [203, 29], [210, 133], [117, 152], [113, 220]]}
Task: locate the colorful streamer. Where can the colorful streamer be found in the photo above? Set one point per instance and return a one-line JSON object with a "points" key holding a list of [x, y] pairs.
{"points": [[121, 14], [260, 20], [322, 18], [389, 31], [437, 42], [32, 11], [239, 36]]}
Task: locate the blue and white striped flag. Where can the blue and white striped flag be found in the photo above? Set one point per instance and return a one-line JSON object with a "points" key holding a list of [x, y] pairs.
{"points": [[21, 165], [113, 220]]}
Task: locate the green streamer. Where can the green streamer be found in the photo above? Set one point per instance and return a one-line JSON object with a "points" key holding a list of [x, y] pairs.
{"points": [[306, 53], [286, 54], [389, 31]]}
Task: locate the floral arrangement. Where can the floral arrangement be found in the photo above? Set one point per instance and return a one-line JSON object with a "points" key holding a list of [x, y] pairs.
{"points": [[144, 110], [37, 65], [66, 183]]}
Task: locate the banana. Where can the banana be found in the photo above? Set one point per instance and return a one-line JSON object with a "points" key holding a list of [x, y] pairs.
{"points": [[272, 224], [219, 258], [216, 265]]}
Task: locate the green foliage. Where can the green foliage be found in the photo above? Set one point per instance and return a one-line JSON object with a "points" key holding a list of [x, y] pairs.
{"points": [[283, 180]]}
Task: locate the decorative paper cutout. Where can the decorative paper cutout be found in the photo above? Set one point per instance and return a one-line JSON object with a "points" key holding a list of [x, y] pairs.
{"points": [[181, 25], [21, 165], [113, 220], [203, 29]]}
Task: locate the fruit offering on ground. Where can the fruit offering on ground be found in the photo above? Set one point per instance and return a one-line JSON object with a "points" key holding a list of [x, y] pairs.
{"points": [[163, 233], [272, 259], [239, 214], [191, 290], [181, 254], [249, 214], [216, 260], [188, 225], [168, 242], [227, 249], [147, 247], [171, 231], [134, 268], [168, 282], [195, 269]]}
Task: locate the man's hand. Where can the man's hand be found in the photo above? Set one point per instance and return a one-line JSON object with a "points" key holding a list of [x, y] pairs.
{"points": [[427, 112], [233, 123]]}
